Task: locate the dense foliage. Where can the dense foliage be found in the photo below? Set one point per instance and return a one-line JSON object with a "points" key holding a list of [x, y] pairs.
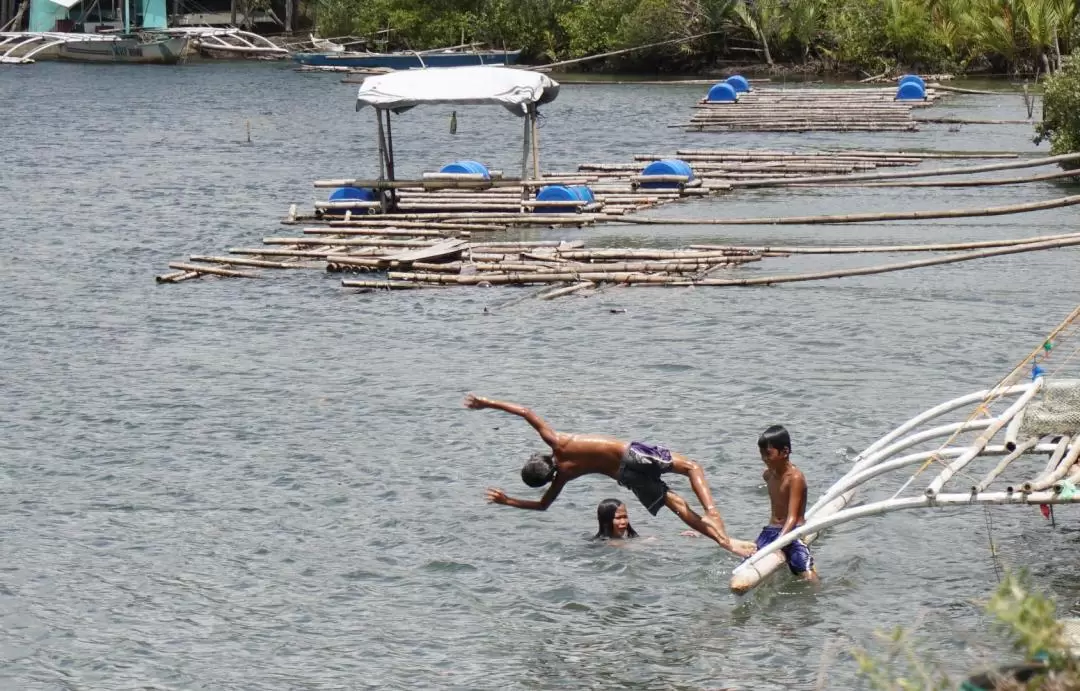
{"points": [[1026, 618], [873, 36], [1061, 111]]}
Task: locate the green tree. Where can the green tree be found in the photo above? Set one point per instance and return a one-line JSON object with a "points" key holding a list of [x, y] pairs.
{"points": [[1061, 111]]}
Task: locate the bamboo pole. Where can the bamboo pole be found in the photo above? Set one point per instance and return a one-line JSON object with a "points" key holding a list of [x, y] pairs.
{"points": [[384, 285], [886, 268], [895, 175], [503, 279], [377, 232], [560, 292], [986, 182], [350, 242], [692, 153], [394, 222], [865, 217], [1015, 453], [1047, 479], [316, 254], [182, 266], [780, 249], [889, 505], [980, 442], [240, 261]]}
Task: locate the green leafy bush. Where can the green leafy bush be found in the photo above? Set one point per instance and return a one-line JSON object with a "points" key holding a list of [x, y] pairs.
{"points": [[1061, 111]]}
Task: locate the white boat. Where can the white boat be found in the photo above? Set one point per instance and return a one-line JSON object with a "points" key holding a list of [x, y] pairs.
{"points": [[1025, 432], [211, 42], [26, 47], [127, 49]]}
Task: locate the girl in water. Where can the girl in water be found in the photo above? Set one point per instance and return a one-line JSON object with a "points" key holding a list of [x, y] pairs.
{"points": [[614, 521]]}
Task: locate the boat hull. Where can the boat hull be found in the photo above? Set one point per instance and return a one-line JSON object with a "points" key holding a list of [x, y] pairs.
{"points": [[125, 50], [406, 61]]}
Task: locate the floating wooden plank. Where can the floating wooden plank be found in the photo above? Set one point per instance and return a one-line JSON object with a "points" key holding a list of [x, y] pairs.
{"points": [[450, 249]]}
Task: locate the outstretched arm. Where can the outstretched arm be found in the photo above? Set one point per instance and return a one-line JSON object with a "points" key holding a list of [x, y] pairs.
{"points": [[497, 496], [550, 436]]}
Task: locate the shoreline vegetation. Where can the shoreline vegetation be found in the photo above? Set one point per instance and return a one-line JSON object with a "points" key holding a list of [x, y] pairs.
{"points": [[857, 38]]}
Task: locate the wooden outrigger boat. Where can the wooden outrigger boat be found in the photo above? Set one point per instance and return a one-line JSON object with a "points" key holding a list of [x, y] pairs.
{"points": [[225, 43], [27, 47], [1036, 420]]}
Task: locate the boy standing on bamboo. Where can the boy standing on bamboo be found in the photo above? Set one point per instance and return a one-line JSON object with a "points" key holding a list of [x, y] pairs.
{"points": [[787, 500]]}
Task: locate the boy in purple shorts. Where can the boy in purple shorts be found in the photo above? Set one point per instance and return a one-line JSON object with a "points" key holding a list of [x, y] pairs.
{"points": [[787, 497], [634, 465]]}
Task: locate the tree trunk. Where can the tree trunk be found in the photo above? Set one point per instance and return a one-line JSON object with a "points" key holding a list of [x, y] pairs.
{"points": [[232, 11], [288, 17]]}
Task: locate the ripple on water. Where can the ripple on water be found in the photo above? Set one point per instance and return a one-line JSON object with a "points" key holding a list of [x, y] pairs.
{"points": [[272, 484]]}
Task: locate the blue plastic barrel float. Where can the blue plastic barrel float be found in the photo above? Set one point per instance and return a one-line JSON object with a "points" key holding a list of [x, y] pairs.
{"points": [[469, 167], [669, 166], [562, 193], [349, 194], [911, 78], [910, 91], [739, 83], [722, 93]]}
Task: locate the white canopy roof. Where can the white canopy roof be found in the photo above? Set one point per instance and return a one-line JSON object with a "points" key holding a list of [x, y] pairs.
{"points": [[477, 85]]}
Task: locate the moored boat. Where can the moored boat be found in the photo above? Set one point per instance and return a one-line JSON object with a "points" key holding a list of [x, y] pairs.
{"points": [[448, 57]]}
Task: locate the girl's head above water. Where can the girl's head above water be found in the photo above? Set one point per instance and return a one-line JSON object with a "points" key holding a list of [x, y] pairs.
{"points": [[614, 520]]}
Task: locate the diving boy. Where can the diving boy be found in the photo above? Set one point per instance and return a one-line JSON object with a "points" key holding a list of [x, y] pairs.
{"points": [[787, 497], [633, 465]]}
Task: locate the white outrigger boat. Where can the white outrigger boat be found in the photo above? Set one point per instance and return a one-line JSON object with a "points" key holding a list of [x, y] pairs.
{"points": [[214, 42], [1033, 439], [137, 35], [26, 47]]}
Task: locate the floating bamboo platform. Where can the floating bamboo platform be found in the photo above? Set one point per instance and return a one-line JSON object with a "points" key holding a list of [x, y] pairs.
{"points": [[445, 231], [805, 110]]}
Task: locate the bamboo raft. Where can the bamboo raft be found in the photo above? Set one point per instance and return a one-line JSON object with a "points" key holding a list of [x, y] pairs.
{"points": [[805, 110], [1017, 443], [432, 238]]}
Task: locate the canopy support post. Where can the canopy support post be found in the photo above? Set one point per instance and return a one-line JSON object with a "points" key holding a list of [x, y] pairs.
{"points": [[390, 162], [386, 171], [525, 149], [535, 142]]}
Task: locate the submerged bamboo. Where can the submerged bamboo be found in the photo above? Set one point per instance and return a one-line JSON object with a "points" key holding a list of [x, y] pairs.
{"points": [[865, 217]]}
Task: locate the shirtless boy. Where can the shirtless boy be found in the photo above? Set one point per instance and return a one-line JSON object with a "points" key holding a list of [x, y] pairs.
{"points": [[634, 465], [787, 497]]}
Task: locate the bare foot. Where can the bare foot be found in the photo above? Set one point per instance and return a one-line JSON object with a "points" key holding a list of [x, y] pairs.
{"points": [[743, 548]]}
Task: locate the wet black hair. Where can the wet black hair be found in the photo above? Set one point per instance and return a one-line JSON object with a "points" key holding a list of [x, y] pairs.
{"points": [[776, 437], [605, 515], [538, 470]]}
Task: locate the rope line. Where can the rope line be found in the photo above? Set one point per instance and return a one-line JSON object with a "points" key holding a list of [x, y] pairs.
{"points": [[995, 394]]}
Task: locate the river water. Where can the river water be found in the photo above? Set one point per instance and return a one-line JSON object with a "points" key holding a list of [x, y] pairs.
{"points": [[273, 485]]}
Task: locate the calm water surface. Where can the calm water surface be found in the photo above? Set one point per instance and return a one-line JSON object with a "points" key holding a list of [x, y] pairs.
{"points": [[272, 484]]}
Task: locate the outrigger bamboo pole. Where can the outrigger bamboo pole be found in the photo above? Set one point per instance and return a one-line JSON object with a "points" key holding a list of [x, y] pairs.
{"points": [[1060, 471], [863, 218], [1014, 454], [981, 441], [917, 502]]}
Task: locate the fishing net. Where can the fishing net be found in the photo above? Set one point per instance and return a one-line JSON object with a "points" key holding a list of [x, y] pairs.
{"points": [[1055, 411]]}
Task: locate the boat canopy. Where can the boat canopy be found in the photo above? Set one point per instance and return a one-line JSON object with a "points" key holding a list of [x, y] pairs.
{"points": [[511, 88]]}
